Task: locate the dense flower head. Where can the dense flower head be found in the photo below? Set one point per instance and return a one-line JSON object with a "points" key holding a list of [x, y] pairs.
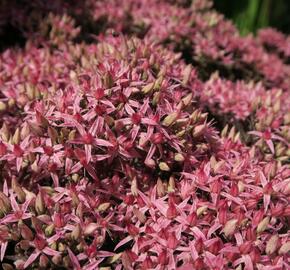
{"points": [[162, 144]]}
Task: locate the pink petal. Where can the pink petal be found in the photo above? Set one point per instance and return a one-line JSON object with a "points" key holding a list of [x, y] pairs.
{"points": [[271, 146], [74, 260], [5, 188], [50, 252], [232, 198], [68, 165], [94, 265], [103, 253], [148, 121], [88, 150], [9, 219], [123, 242], [102, 142], [257, 133], [213, 228], [267, 199], [14, 204], [248, 262], [101, 157], [55, 179], [92, 172], [230, 249], [161, 207], [194, 253], [31, 258], [18, 163], [198, 233], [25, 205], [76, 167], [3, 250]]}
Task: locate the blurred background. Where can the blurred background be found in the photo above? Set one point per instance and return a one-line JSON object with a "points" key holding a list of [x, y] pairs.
{"points": [[250, 15]]}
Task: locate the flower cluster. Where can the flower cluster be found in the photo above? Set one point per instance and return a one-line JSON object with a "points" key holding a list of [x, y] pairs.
{"points": [[163, 144]]}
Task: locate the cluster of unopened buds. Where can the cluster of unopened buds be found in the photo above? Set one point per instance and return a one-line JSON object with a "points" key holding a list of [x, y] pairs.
{"points": [[169, 150]]}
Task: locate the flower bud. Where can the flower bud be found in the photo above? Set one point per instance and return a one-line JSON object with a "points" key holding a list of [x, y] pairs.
{"points": [[103, 207], [90, 228], [19, 264], [147, 89], [230, 227], [24, 244], [21, 196], [4, 132], [49, 230], [108, 80], [43, 261], [39, 203], [198, 130], [186, 75], [41, 120], [25, 232], [285, 248], [57, 259], [262, 226], [52, 133], [171, 184], [61, 247], [76, 232], [114, 258], [179, 157], [187, 99], [134, 187], [160, 189], [170, 119], [3, 106], [164, 167], [141, 217], [30, 91], [150, 163], [5, 205], [7, 266], [201, 210], [272, 244], [158, 82], [16, 137], [156, 98]]}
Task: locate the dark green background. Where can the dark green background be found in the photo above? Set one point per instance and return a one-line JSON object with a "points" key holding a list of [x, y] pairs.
{"points": [[250, 15]]}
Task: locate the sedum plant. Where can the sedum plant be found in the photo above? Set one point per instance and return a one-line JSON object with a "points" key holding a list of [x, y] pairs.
{"points": [[163, 144]]}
